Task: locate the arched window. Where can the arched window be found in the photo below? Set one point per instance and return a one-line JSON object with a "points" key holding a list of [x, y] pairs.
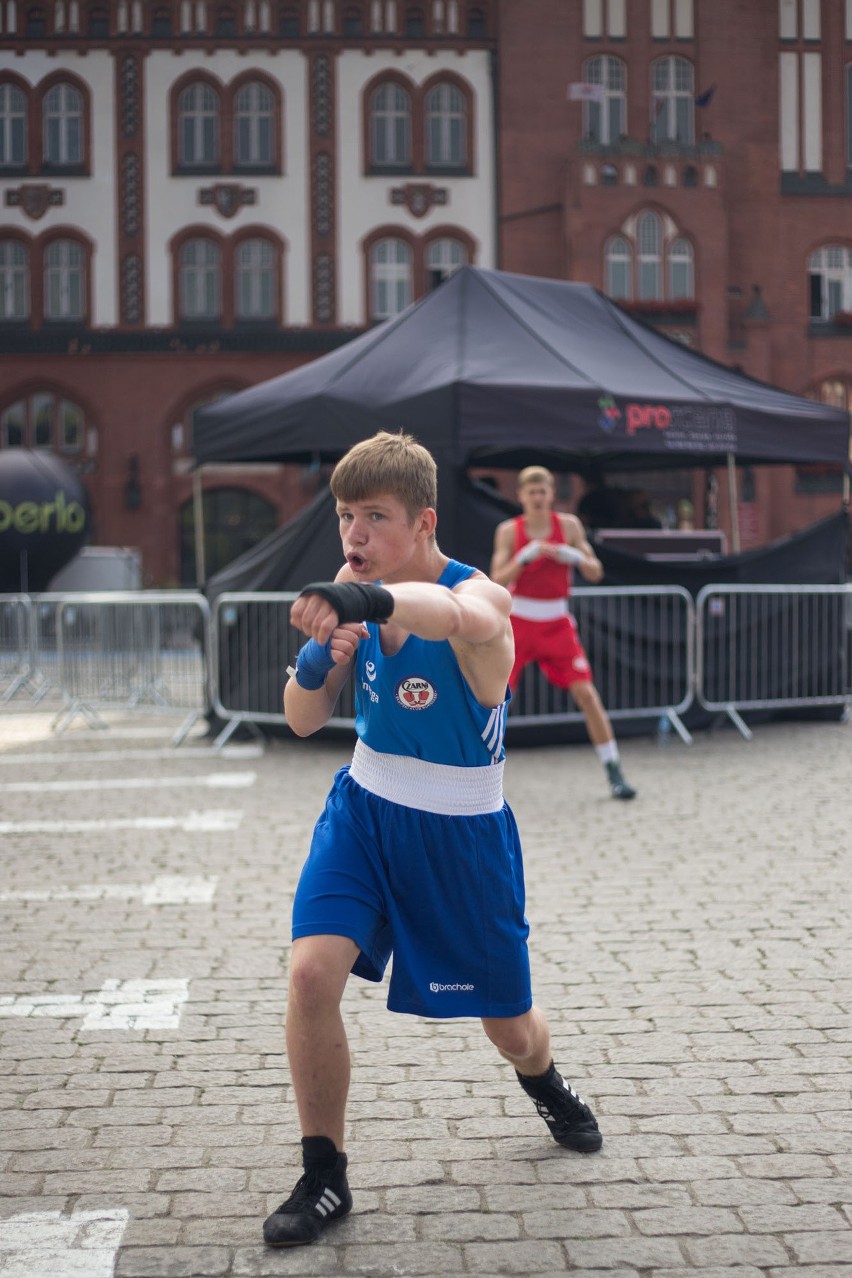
{"points": [[63, 125], [44, 420], [606, 121], [390, 278], [200, 281], [254, 125], [64, 281], [649, 239], [255, 281], [98, 24], [390, 126], [476, 24], [198, 125], [443, 258], [288, 22], [673, 101], [681, 282], [446, 127], [161, 24], [619, 268], [235, 520], [13, 127], [830, 279], [14, 280]]}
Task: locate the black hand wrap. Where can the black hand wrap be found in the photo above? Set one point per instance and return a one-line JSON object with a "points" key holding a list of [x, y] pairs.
{"points": [[353, 601]]}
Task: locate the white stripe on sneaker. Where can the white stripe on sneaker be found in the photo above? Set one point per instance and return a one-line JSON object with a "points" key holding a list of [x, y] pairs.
{"points": [[328, 1202]]}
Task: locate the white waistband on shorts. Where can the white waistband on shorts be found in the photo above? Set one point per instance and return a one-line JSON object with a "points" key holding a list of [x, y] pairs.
{"points": [[538, 609], [431, 787]]}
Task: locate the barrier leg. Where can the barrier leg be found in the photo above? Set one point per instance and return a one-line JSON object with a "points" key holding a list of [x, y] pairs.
{"points": [[680, 727], [739, 723]]}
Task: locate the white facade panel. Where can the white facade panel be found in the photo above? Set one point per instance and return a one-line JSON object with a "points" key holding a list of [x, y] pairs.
{"points": [[365, 200], [788, 111], [812, 103], [617, 20], [593, 18], [660, 19], [811, 19], [788, 24], [89, 202], [684, 19], [282, 203]]}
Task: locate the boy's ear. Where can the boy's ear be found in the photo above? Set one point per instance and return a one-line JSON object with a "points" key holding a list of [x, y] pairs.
{"points": [[427, 521]]}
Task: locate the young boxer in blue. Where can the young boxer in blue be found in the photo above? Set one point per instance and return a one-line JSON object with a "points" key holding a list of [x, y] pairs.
{"points": [[416, 853]]}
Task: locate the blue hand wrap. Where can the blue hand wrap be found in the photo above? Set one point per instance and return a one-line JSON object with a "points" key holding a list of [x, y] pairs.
{"points": [[313, 664]]}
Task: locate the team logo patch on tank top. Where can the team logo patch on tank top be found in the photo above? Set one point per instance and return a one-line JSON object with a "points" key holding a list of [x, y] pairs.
{"points": [[416, 693]]}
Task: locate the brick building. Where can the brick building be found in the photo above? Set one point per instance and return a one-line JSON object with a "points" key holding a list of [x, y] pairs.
{"points": [[694, 161], [199, 195]]}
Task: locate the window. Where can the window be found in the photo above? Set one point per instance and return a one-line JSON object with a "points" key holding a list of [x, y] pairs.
{"points": [[415, 27], [390, 278], [288, 23], [605, 121], [64, 281], [44, 420], [353, 23], [849, 114], [672, 101], [681, 285], [830, 277], [476, 24], [390, 126], [619, 268], [13, 127], [235, 520], [253, 125], [161, 24], [63, 126], [99, 24], [198, 125], [649, 261], [255, 281], [446, 127], [200, 277], [443, 258], [14, 280], [226, 24], [36, 24]]}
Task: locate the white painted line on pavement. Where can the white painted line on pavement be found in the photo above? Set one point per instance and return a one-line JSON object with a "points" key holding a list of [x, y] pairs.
{"points": [[229, 752], [117, 1005], [211, 780], [209, 821], [165, 889], [83, 1245]]}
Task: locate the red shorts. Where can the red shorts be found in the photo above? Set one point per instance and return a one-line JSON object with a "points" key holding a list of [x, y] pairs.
{"points": [[555, 646]]}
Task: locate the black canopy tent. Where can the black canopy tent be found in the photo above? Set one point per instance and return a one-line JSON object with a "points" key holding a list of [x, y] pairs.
{"points": [[494, 369], [503, 370]]}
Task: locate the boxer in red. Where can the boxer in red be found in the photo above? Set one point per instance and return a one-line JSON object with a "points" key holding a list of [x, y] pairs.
{"points": [[534, 555]]}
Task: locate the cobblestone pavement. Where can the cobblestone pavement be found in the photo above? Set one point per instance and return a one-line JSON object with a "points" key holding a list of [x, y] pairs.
{"points": [[692, 950]]}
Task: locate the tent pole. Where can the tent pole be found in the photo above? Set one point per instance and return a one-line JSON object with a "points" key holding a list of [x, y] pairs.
{"points": [[198, 524], [732, 503]]}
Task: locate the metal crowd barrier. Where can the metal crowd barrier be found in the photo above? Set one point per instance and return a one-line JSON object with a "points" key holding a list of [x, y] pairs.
{"points": [[252, 644], [16, 663], [652, 649], [770, 647], [639, 641], [132, 650]]}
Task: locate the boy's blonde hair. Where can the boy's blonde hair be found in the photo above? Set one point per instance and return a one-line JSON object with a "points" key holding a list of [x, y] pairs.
{"points": [[536, 475], [392, 464]]}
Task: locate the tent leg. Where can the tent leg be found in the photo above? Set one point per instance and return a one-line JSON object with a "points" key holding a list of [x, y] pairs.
{"points": [[198, 525], [732, 503]]}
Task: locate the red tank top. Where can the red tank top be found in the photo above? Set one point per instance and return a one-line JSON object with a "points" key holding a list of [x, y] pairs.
{"points": [[543, 578]]}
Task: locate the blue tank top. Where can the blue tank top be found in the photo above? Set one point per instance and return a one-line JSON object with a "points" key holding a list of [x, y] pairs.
{"points": [[418, 702]]}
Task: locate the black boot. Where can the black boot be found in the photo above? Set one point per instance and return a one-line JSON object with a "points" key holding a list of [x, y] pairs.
{"points": [[320, 1196]]}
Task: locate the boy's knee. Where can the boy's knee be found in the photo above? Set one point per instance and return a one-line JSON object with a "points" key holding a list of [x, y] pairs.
{"points": [[512, 1036]]}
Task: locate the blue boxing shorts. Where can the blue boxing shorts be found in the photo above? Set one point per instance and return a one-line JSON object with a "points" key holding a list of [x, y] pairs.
{"points": [[443, 894]]}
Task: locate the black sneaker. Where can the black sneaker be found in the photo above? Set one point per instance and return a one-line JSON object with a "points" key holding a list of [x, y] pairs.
{"points": [[321, 1195], [617, 785], [569, 1118]]}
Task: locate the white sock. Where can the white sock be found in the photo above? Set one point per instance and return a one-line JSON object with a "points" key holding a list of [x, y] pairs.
{"points": [[608, 752]]}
